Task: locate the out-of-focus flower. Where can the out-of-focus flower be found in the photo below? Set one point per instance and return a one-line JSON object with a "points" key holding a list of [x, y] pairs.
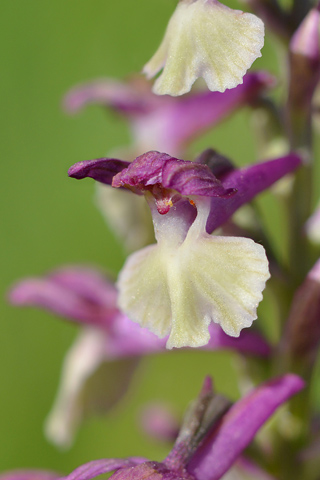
{"points": [[167, 124], [158, 421], [302, 336], [190, 278], [99, 366], [205, 39], [212, 437]]}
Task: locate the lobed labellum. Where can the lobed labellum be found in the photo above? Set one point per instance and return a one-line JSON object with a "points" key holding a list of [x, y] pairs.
{"points": [[190, 278], [209, 40]]}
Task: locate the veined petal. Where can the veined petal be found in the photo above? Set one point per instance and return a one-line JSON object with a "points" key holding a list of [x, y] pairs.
{"points": [[143, 290], [179, 288], [152, 168], [205, 39]]}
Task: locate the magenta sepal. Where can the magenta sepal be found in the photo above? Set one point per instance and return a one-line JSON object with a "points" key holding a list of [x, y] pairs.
{"points": [[187, 178], [248, 182], [151, 168], [238, 427], [98, 467]]}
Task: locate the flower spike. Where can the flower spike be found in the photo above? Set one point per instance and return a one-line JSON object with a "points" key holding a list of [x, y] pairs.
{"points": [[205, 39]]}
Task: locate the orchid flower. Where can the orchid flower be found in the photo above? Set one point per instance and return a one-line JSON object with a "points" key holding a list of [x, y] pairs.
{"points": [[99, 366], [190, 278], [205, 39], [213, 435]]}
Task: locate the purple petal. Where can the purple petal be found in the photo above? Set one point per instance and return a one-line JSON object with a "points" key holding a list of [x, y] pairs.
{"points": [[126, 98], [88, 283], [249, 342], [145, 170], [248, 182], [190, 178], [75, 293], [194, 113], [98, 467], [187, 178], [238, 427], [29, 475], [102, 169]]}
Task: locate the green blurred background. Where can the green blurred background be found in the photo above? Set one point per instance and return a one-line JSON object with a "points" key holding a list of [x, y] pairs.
{"points": [[49, 220]]}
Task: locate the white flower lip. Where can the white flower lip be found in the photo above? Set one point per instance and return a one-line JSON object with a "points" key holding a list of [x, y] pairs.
{"points": [[187, 280], [205, 39]]}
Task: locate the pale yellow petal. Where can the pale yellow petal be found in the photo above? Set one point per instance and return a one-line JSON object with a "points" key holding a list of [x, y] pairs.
{"points": [[180, 290], [143, 290], [205, 39]]}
